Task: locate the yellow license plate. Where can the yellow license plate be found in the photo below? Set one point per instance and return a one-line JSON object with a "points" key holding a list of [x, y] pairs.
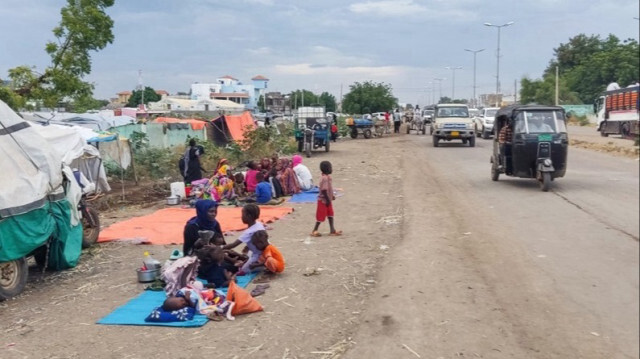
{"points": [[455, 133]]}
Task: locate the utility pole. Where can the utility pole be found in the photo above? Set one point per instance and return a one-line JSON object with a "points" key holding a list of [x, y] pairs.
{"points": [[475, 52], [453, 80], [556, 85], [499, 27], [515, 91], [140, 87]]}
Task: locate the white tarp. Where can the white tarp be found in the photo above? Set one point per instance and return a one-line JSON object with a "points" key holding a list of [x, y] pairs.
{"points": [[71, 145], [30, 168]]}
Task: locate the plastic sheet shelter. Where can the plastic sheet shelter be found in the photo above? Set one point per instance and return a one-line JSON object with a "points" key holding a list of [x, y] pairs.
{"points": [[227, 128]]}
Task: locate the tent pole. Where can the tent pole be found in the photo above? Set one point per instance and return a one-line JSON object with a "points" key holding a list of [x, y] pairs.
{"points": [[133, 163]]}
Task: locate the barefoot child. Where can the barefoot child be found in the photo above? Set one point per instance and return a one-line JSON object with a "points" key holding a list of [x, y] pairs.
{"points": [[325, 199], [250, 215], [271, 257]]}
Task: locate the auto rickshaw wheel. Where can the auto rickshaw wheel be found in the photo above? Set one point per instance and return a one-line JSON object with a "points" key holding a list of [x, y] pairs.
{"points": [[545, 181], [300, 143], [424, 129], [431, 129], [354, 133], [307, 149], [408, 127], [485, 135], [367, 133], [13, 277]]}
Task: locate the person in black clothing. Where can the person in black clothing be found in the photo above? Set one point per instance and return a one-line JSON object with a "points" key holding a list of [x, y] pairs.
{"points": [[190, 167], [205, 220], [214, 268]]}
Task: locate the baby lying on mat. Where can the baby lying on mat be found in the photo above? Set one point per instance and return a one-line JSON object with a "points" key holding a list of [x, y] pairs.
{"points": [[207, 302]]}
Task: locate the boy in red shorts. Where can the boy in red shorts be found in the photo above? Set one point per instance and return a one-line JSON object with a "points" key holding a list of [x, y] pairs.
{"points": [[325, 199]]}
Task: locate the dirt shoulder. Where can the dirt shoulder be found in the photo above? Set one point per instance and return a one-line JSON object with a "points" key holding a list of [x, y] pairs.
{"points": [[310, 310], [588, 137]]}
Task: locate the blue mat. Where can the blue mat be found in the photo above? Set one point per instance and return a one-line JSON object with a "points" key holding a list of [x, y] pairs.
{"points": [[134, 311], [309, 196]]}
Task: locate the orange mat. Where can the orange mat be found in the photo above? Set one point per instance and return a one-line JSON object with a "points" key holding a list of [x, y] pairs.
{"points": [[166, 225]]}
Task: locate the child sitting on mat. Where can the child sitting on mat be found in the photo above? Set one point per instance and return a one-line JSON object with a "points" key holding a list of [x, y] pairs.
{"points": [[214, 268], [271, 258], [250, 215]]}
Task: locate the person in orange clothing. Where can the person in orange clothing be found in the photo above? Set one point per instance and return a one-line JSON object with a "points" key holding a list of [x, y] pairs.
{"points": [[271, 257]]}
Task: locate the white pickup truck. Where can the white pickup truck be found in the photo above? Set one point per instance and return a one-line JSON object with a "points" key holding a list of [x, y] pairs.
{"points": [[452, 122]]}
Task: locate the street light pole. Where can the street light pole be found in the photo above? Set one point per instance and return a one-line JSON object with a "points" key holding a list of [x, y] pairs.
{"points": [[475, 52], [499, 27], [453, 80], [439, 88]]}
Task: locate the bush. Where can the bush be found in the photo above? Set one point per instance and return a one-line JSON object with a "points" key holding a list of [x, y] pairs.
{"points": [[581, 120]]}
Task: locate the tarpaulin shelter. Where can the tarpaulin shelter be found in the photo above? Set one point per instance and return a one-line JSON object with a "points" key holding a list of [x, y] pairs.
{"points": [[227, 128], [194, 123], [34, 205]]}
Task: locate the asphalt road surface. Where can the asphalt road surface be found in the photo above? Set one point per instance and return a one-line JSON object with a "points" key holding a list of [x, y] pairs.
{"points": [[504, 270]]}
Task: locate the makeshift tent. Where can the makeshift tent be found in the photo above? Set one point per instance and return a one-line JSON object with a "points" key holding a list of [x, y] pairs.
{"points": [[76, 153], [34, 206], [194, 123], [227, 128]]}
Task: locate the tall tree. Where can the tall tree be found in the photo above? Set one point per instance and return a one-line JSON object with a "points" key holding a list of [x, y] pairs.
{"points": [[84, 27], [369, 97], [328, 101], [303, 97], [150, 95]]}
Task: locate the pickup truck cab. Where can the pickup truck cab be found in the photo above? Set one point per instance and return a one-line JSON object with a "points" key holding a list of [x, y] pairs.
{"points": [[452, 122]]}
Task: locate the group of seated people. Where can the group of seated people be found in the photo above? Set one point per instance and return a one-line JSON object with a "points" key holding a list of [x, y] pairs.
{"points": [[265, 181], [218, 263]]}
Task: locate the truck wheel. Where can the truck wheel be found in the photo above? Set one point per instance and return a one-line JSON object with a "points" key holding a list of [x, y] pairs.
{"points": [[367, 133], [327, 146], [13, 277], [299, 146], [603, 133], [435, 141], [545, 181], [90, 227], [354, 133], [472, 141]]}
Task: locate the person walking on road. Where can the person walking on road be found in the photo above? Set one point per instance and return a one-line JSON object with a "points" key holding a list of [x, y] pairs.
{"points": [[397, 118]]}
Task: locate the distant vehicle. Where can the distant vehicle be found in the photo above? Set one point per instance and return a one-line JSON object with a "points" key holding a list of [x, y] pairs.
{"points": [[617, 112], [427, 115], [452, 122], [312, 129], [378, 115], [474, 112], [484, 122]]}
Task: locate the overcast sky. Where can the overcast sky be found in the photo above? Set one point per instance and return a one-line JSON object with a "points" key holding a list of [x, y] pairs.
{"points": [[320, 45]]}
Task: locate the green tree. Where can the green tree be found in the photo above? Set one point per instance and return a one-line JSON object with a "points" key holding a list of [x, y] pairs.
{"points": [[303, 97], [150, 95], [328, 101], [586, 65], [86, 103], [84, 27], [368, 97]]}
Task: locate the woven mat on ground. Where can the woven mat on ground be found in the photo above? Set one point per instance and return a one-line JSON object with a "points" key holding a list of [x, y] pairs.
{"points": [[165, 226], [134, 311]]}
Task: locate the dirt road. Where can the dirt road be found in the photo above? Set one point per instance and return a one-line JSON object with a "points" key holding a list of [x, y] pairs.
{"points": [[436, 261]]}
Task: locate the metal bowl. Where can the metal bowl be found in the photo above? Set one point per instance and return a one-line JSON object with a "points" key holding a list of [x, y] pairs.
{"points": [[146, 276]]}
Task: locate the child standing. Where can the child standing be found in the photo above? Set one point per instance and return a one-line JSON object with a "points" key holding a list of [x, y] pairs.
{"points": [[250, 215], [325, 199]]}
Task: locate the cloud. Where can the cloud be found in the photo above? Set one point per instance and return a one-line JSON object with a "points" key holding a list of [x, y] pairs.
{"points": [[388, 8], [261, 2], [324, 70], [260, 51]]}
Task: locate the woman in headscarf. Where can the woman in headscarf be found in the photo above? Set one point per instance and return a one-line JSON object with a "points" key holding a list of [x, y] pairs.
{"points": [[205, 220], [222, 182], [191, 169], [302, 173], [266, 165], [288, 178]]}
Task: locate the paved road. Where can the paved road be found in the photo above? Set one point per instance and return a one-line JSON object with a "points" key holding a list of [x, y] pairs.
{"points": [[501, 269]]}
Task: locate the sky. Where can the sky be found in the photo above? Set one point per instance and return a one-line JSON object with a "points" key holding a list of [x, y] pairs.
{"points": [[321, 45]]}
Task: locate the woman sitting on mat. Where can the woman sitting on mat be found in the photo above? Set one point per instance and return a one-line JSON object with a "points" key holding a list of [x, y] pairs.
{"points": [[302, 173], [205, 220], [288, 178]]}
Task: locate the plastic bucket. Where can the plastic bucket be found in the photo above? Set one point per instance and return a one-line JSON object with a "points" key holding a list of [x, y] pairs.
{"points": [[177, 189]]}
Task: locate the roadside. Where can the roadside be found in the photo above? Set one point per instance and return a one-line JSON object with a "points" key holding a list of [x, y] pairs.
{"points": [[588, 137]]}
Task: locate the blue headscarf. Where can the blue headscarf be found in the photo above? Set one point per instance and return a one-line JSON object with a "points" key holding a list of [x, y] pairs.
{"points": [[202, 217]]}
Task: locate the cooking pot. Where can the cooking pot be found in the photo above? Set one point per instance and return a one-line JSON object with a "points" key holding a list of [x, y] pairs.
{"points": [[147, 275], [173, 200]]}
